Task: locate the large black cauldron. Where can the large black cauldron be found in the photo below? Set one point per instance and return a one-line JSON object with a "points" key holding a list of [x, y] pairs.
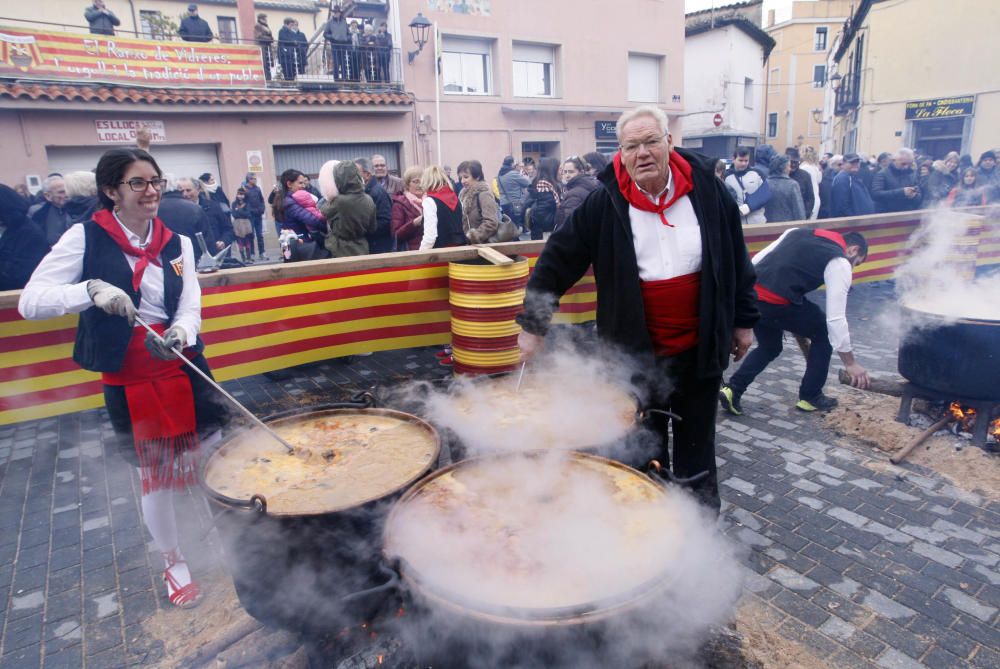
{"points": [[314, 572], [959, 359]]}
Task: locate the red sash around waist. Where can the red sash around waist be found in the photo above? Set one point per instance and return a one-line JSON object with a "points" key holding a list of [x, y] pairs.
{"points": [[161, 408], [764, 295], [672, 312]]}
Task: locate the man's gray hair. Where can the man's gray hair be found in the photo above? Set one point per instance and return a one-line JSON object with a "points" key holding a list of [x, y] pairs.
{"points": [[81, 184], [903, 152], [364, 164], [171, 180], [50, 182], [644, 110], [195, 183]]}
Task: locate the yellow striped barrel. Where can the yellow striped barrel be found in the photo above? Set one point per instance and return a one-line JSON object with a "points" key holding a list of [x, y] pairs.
{"points": [[484, 300]]}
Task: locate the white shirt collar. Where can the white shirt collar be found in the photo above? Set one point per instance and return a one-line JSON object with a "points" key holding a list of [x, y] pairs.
{"points": [[655, 199], [133, 238]]}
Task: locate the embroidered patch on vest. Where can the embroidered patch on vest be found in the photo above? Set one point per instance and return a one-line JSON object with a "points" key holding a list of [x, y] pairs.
{"points": [[178, 265]]}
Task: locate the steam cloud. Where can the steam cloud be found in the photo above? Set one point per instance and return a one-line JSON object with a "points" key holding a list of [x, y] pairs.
{"points": [[938, 277]]}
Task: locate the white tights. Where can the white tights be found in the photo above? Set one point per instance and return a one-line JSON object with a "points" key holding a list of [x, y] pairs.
{"points": [[158, 514]]}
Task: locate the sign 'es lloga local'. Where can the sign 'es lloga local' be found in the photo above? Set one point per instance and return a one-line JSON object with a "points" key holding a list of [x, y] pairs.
{"points": [[108, 59]]}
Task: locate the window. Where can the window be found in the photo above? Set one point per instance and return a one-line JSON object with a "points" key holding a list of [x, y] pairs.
{"points": [[774, 81], [819, 76], [772, 124], [151, 24], [820, 44], [227, 30], [644, 78], [465, 66], [533, 64], [748, 92]]}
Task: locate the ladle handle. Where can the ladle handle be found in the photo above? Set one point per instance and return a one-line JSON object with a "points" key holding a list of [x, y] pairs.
{"points": [[208, 379]]}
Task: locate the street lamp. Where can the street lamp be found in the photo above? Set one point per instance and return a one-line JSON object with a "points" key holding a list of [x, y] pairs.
{"points": [[836, 80], [419, 28]]}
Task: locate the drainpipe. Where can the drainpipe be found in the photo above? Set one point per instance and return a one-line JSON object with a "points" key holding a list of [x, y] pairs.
{"points": [[135, 19]]}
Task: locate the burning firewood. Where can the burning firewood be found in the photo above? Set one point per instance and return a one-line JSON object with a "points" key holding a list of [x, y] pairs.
{"points": [[233, 634], [921, 438], [257, 649]]}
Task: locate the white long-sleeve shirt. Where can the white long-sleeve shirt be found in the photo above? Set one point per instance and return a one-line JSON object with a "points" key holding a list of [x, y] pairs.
{"points": [[666, 251], [56, 289], [837, 276], [430, 210]]}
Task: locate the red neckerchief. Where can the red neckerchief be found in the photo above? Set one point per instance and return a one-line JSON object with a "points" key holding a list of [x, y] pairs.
{"points": [[680, 169], [835, 237], [151, 254], [446, 195]]}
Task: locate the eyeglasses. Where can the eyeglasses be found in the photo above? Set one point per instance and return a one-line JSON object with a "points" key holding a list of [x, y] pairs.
{"points": [[140, 185], [649, 144]]}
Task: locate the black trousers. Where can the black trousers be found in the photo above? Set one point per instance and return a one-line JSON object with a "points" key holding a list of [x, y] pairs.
{"points": [[210, 411], [696, 401], [806, 320]]}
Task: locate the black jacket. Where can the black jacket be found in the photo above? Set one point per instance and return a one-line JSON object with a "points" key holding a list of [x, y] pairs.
{"points": [[22, 247], [599, 233], [805, 182], [381, 240], [574, 193], [887, 190], [255, 200], [219, 221], [185, 218], [102, 21], [195, 29]]}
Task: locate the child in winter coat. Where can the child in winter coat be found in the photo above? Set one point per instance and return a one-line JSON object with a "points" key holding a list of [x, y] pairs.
{"points": [[307, 201]]}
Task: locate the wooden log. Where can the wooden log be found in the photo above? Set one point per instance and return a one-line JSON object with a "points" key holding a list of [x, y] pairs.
{"points": [[493, 255], [881, 386], [229, 636], [257, 649], [921, 438]]}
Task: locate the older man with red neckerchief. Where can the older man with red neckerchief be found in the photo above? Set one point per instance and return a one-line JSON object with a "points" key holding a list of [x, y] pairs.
{"points": [[674, 283]]}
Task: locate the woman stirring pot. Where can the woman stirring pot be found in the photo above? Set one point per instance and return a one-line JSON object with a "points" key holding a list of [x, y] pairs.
{"points": [[122, 263]]}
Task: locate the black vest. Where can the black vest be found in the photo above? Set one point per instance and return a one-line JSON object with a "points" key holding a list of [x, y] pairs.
{"points": [[450, 231], [795, 267], [101, 339]]}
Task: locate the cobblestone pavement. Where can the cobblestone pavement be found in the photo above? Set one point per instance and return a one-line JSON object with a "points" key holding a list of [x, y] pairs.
{"points": [[865, 568]]}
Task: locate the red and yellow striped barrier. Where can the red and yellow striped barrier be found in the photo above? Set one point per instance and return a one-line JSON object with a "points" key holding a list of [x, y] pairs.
{"points": [[484, 300], [261, 319]]}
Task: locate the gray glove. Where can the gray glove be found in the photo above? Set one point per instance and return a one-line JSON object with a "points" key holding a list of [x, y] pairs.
{"points": [[111, 299], [160, 347]]}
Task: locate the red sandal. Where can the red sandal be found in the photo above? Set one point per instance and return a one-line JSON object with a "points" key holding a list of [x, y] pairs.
{"points": [[186, 596]]}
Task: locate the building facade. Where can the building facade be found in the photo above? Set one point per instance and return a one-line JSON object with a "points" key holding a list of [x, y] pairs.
{"points": [[515, 77], [796, 75], [724, 65], [887, 93]]}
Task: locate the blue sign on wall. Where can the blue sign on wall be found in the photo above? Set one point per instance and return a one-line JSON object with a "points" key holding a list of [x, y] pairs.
{"points": [[605, 130]]}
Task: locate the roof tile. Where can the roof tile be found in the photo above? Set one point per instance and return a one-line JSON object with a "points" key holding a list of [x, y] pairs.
{"points": [[213, 97]]}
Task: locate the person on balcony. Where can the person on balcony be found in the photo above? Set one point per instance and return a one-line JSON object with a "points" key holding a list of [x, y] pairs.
{"points": [[383, 52], [101, 19], [264, 38], [338, 35], [194, 28], [292, 49]]}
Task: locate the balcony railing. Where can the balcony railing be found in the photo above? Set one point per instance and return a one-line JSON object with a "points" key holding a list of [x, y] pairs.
{"points": [[313, 64], [849, 94]]}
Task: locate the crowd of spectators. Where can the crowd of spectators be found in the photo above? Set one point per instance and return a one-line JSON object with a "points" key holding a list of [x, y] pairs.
{"points": [[361, 208], [799, 185]]}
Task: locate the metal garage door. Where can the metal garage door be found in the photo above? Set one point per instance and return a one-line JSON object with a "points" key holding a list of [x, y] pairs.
{"points": [[308, 158], [182, 160]]}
